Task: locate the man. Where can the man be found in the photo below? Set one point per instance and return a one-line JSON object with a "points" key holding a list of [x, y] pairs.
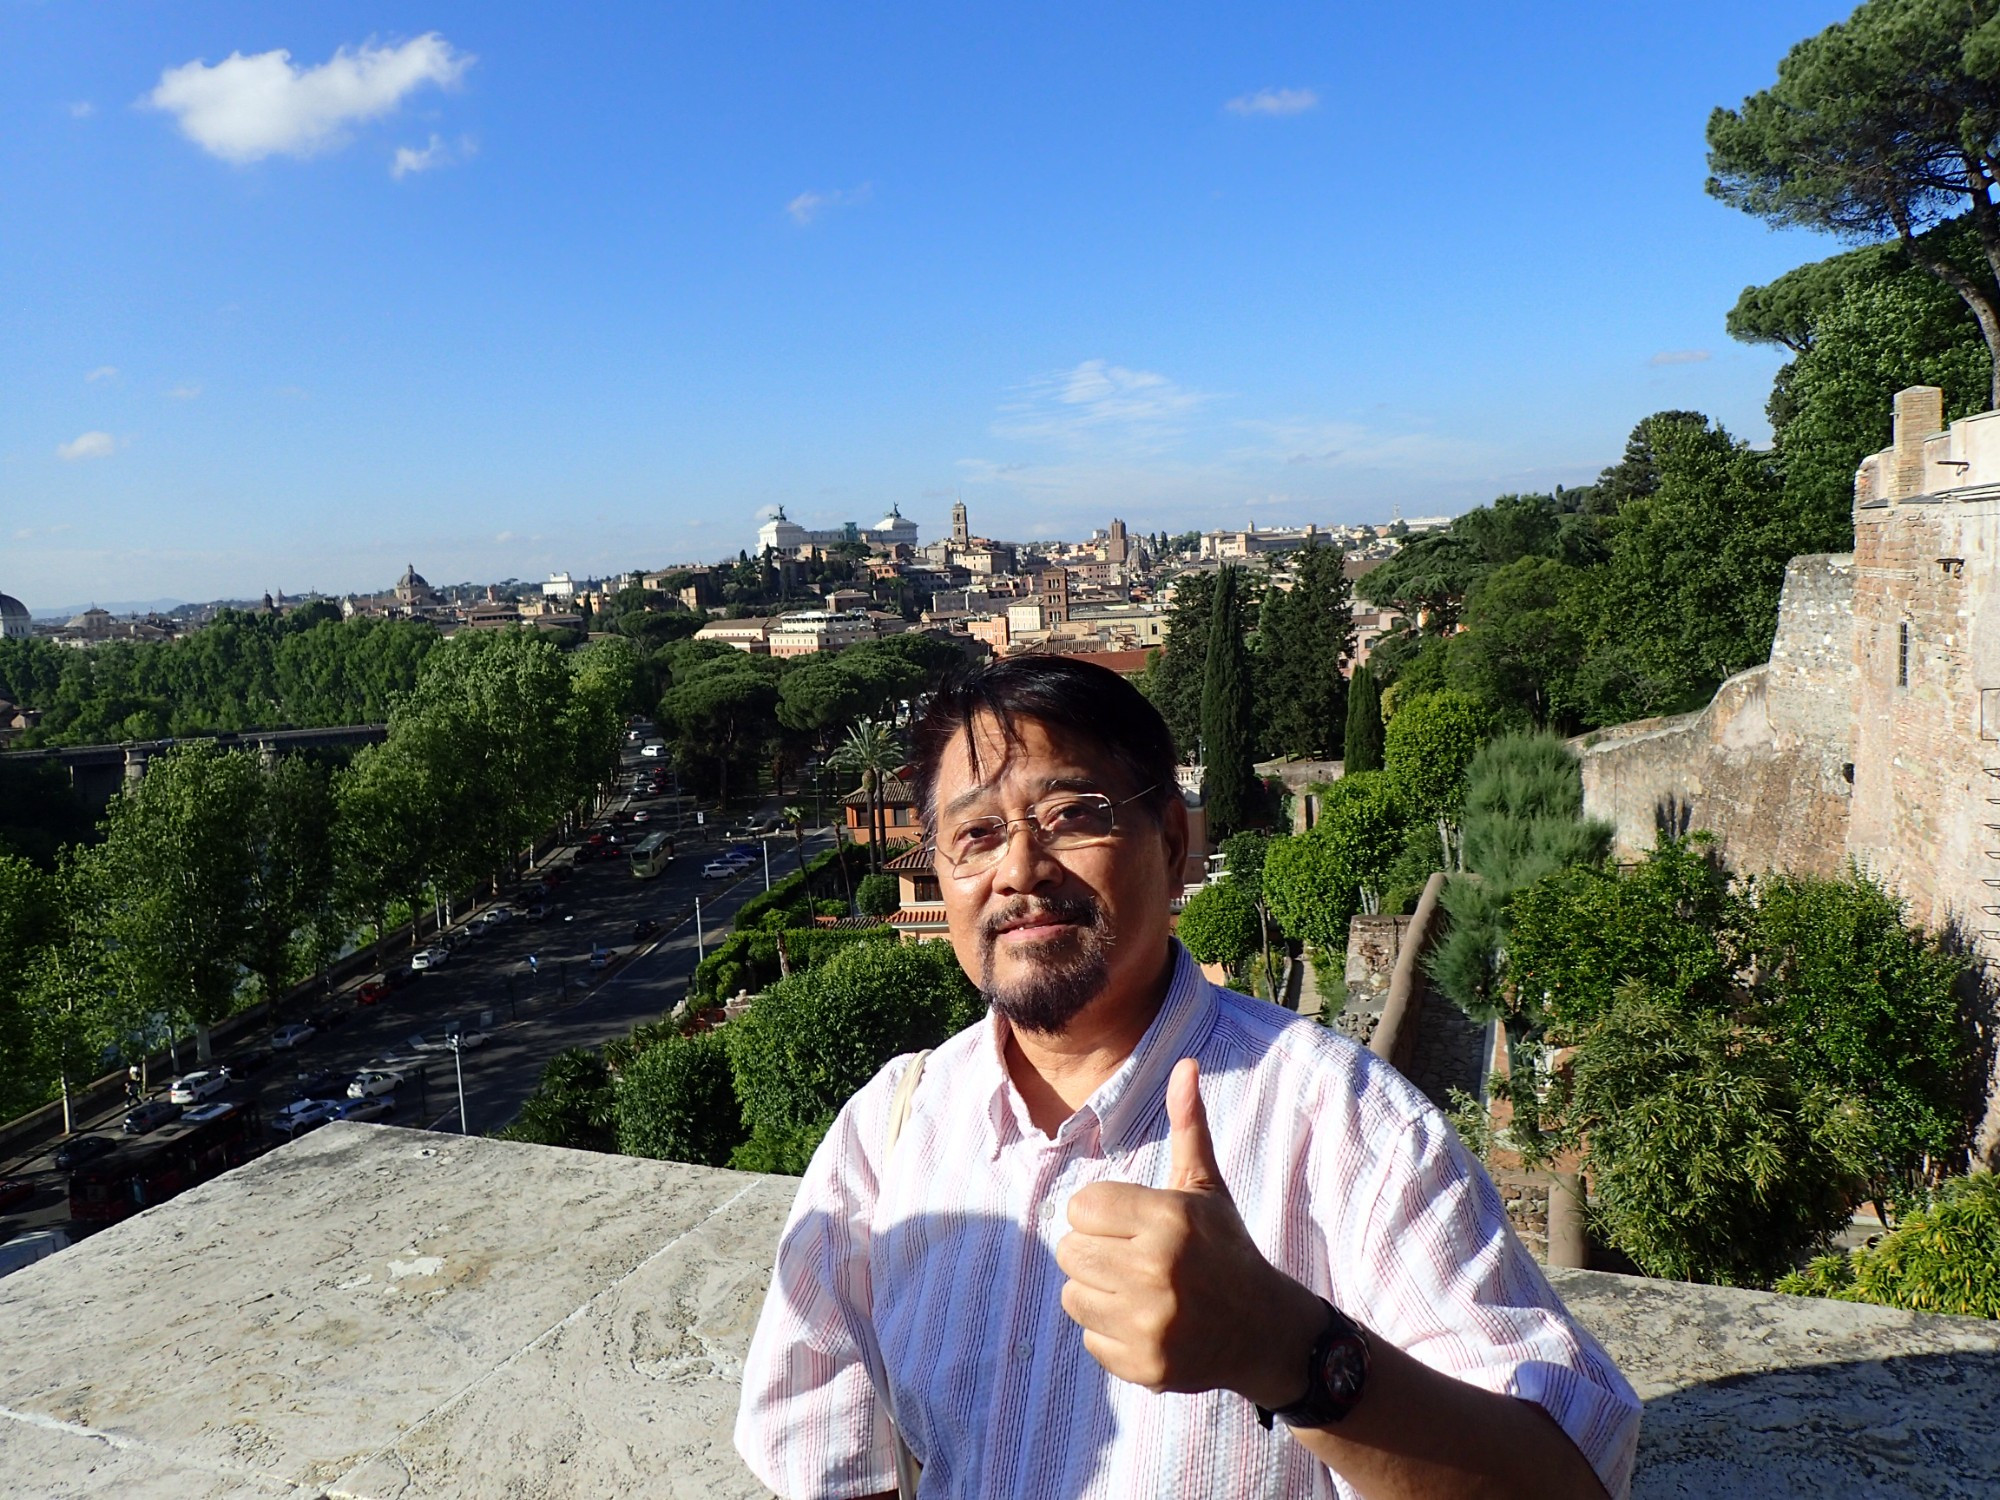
{"points": [[1131, 1215]]}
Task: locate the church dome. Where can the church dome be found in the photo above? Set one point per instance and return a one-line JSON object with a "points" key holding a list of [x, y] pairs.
{"points": [[15, 622]]}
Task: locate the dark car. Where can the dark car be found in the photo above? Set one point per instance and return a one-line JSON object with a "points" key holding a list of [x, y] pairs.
{"points": [[150, 1116], [247, 1064], [79, 1149], [644, 928], [15, 1190], [321, 1083], [326, 1020]]}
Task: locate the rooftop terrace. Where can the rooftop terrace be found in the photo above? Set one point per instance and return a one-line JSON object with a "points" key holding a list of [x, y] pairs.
{"points": [[389, 1314]]}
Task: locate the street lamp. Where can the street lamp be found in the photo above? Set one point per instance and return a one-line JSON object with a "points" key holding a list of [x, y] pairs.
{"points": [[458, 1063]]}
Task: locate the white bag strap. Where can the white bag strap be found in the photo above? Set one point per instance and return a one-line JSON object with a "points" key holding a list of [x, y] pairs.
{"points": [[907, 1467]]}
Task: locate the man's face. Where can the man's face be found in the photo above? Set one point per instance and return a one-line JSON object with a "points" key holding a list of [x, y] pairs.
{"points": [[1043, 932]]}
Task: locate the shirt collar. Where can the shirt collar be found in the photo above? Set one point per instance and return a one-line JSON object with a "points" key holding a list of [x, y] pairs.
{"points": [[1126, 1100]]}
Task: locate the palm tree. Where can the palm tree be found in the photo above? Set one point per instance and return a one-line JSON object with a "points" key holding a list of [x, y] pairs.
{"points": [[795, 819], [870, 750]]}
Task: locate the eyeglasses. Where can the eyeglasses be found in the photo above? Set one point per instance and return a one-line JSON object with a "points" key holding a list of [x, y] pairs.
{"points": [[1069, 821]]}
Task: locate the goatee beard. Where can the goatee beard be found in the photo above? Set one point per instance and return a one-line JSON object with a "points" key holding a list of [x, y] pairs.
{"points": [[1064, 976]]}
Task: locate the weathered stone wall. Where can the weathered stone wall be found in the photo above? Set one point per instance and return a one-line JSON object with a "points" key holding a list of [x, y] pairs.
{"points": [[1765, 766], [1372, 946]]}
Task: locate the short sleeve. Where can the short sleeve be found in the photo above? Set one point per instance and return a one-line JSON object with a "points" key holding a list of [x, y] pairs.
{"points": [[809, 1423], [1444, 1278]]}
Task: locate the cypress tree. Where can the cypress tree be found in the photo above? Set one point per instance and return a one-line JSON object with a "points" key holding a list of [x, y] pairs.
{"points": [[1305, 635], [1229, 778], [1364, 723]]}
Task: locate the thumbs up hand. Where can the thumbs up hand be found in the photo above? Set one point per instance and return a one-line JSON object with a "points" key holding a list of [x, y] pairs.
{"points": [[1167, 1285]]}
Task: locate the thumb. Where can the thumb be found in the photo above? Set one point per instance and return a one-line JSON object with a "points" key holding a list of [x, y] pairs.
{"points": [[1192, 1166]]}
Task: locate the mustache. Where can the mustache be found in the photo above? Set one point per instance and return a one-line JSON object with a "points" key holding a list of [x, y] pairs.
{"points": [[1079, 910]]}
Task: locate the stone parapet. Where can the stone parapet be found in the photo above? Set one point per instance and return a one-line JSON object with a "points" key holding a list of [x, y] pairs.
{"points": [[381, 1314]]}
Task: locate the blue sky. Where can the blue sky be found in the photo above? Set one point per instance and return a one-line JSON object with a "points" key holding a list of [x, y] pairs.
{"points": [[502, 288]]}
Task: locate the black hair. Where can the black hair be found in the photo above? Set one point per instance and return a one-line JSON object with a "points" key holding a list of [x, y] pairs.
{"points": [[1078, 698]]}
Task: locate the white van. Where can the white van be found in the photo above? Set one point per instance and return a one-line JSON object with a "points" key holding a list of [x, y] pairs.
{"points": [[26, 1249]]}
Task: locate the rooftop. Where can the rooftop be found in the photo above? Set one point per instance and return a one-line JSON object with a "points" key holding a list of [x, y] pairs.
{"points": [[372, 1312]]}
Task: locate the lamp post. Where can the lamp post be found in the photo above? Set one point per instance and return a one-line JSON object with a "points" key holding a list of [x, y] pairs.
{"points": [[766, 842], [458, 1063]]}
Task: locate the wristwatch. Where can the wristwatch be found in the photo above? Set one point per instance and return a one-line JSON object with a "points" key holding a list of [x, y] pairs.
{"points": [[1336, 1372]]}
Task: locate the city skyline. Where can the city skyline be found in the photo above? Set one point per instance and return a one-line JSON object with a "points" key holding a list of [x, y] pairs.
{"points": [[307, 297]]}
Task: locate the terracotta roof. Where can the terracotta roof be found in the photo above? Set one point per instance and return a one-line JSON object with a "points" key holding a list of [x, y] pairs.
{"points": [[911, 861], [895, 793], [1124, 663]]}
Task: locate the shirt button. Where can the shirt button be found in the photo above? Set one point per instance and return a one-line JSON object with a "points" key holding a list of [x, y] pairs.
{"points": [[1023, 1349], [1047, 1211]]}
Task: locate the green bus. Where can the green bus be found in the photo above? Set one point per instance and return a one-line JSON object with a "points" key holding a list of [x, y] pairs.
{"points": [[651, 855]]}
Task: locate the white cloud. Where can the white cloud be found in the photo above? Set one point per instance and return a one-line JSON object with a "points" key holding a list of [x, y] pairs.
{"points": [[505, 536], [811, 204], [102, 372], [244, 109], [1274, 102], [439, 153], [1100, 402], [1680, 357], [87, 445], [186, 392], [83, 109]]}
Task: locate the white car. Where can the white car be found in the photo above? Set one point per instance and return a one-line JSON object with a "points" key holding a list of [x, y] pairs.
{"points": [[729, 864], [428, 958], [206, 1112], [297, 1034], [653, 751], [375, 1108], [192, 1088], [441, 1041], [642, 816], [369, 1085]]}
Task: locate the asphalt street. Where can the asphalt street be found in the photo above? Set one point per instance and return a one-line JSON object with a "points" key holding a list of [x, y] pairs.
{"points": [[528, 1013]]}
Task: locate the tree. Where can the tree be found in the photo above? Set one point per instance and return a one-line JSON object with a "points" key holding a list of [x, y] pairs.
{"points": [[1523, 821], [1945, 1258], [1883, 125], [291, 930], [1219, 924], [1425, 752], [179, 879], [1521, 642], [572, 1105], [1362, 743], [1709, 1160], [1229, 778], [1872, 1011], [877, 895], [1305, 638], [388, 831], [677, 1102], [1314, 882], [30, 917], [814, 1038], [719, 714], [870, 752], [1174, 677]]}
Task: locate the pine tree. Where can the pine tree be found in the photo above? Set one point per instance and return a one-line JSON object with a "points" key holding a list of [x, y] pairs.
{"points": [[1174, 681], [1363, 746], [1305, 636], [1229, 780]]}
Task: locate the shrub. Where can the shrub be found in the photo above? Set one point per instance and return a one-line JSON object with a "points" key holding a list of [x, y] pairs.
{"points": [[1427, 747], [571, 1106], [676, 1102], [814, 1038], [877, 895], [1219, 924], [1943, 1259], [1314, 881]]}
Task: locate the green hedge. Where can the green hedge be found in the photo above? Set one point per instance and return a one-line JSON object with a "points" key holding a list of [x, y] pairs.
{"points": [[676, 1102]]}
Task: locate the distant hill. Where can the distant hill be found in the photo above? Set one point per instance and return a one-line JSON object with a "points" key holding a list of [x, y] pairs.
{"points": [[116, 606]]}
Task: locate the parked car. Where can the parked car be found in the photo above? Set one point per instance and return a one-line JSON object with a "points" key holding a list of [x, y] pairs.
{"points": [[248, 1063], [601, 957], [151, 1116], [295, 1035], [326, 1020], [642, 816], [534, 913], [79, 1149], [429, 958], [374, 1107], [644, 928], [26, 1249], [440, 1041], [14, 1190], [368, 1085], [201, 1114], [192, 1088], [321, 1083], [721, 869], [374, 992], [301, 1115]]}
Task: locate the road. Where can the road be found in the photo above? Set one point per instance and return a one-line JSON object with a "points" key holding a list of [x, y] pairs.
{"points": [[528, 1015]]}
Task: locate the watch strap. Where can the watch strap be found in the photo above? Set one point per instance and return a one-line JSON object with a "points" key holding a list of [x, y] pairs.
{"points": [[1336, 1373]]}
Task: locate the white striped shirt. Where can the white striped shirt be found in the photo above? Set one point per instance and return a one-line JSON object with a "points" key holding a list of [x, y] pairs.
{"points": [[936, 1279]]}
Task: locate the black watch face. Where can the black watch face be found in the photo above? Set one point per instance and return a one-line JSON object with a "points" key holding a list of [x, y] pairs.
{"points": [[1345, 1367]]}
